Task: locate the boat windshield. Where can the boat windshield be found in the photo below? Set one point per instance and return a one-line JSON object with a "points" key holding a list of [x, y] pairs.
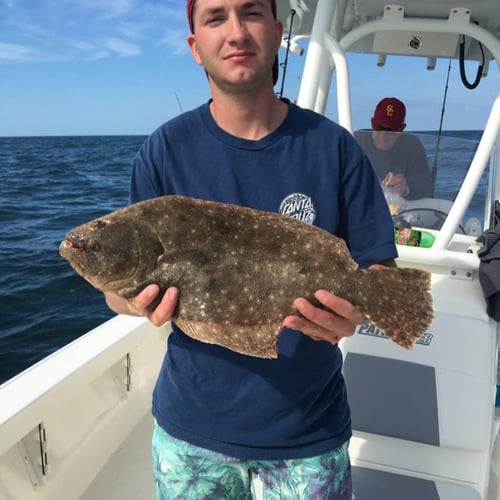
{"points": [[434, 167]]}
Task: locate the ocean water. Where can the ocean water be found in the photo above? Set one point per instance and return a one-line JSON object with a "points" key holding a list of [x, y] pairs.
{"points": [[49, 185]]}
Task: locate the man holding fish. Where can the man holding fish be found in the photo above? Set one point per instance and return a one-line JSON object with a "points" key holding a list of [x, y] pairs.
{"points": [[231, 425]]}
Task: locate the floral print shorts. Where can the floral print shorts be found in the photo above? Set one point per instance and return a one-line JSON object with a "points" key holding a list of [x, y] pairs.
{"points": [[186, 472]]}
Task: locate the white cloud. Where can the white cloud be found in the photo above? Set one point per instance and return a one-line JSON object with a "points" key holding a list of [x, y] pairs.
{"points": [[176, 14], [175, 42], [82, 45], [87, 50], [122, 47], [64, 30], [132, 29], [106, 9], [14, 52]]}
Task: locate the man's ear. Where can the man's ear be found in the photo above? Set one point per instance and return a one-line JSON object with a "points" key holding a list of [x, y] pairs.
{"points": [[279, 32], [403, 126], [191, 40]]}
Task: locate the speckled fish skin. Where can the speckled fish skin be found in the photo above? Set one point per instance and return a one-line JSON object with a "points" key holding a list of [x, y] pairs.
{"points": [[239, 270]]}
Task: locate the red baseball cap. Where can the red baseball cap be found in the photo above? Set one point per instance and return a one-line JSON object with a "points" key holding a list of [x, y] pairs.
{"points": [[390, 112], [190, 7]]}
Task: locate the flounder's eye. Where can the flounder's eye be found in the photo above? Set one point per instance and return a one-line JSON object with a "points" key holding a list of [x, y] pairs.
{"points": [[76, 241], [99, 224], [94, 245]]}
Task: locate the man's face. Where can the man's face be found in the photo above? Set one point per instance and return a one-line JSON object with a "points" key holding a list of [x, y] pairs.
{"points": [[384, 138], [236, 41]]}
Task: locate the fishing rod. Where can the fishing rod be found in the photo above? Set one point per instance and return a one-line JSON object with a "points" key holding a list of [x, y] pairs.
{"points": [[285, 63], [179, 102], [434, 166], [467, 84]]}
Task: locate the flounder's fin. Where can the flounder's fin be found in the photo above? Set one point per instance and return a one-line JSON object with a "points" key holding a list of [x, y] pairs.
{"points": [[260, 341], [398, 302]]}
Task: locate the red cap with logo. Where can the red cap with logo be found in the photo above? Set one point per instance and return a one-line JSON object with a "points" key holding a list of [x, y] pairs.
{"points": [[190, 7], [390, 113]]}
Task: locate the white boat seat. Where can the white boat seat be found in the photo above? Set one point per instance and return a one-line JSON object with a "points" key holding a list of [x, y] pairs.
{"points": [[412, 412], [370, 484]]}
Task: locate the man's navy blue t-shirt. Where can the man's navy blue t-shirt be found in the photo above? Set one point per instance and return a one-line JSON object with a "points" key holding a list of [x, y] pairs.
{"points": [[309, 168]]}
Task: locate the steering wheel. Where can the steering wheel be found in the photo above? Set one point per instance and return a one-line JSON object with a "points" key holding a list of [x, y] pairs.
{"points": [[440, 217]]}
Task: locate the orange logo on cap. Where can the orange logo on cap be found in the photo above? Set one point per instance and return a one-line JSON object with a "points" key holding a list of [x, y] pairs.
{"points": [[389, 110]]}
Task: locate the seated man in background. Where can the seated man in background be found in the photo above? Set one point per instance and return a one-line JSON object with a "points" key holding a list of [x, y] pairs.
{"points": [[398, 158]]}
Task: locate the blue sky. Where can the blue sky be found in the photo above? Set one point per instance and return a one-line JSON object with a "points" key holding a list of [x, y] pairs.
{"points": [[80, 67]]}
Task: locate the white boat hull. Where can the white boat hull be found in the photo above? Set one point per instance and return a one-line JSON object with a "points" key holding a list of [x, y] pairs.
{"points": [[78, 401]]}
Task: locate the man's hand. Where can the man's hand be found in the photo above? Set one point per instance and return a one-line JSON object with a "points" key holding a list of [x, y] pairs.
{"points": [[398, 184], [339, 321], [137, 306]]}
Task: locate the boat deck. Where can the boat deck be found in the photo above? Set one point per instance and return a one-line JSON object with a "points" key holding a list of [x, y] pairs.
{"points": [[127, 475]]}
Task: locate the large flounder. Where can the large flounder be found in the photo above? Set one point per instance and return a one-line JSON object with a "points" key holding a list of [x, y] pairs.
{"points": [[239, 270]]}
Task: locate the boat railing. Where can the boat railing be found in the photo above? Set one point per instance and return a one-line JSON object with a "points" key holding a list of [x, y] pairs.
{"points": [[326, 54], [481, 159]]}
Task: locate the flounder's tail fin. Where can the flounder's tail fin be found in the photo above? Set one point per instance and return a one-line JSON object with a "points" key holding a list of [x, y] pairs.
{"points": [[397, 301]]}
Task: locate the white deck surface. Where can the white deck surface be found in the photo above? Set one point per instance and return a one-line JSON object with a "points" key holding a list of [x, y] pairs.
{"points": [[128, 474]]}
